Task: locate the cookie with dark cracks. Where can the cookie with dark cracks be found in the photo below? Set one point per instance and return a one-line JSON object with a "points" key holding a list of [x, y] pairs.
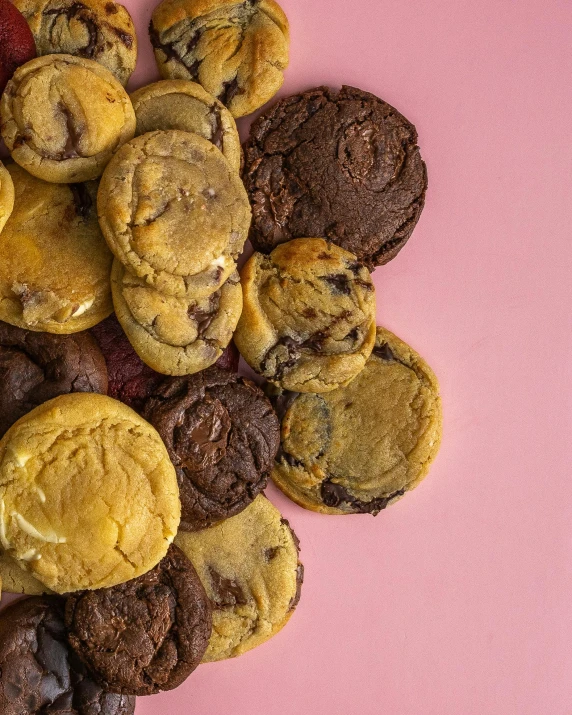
{"points": [[146, 635], [343, 165], [40, 674], [360, 448], [222, 436]]}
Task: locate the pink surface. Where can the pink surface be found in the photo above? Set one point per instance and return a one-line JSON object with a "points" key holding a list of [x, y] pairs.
{"points": [[457, 600]]}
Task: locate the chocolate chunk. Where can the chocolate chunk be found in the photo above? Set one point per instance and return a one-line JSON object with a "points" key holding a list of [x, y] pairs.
{"points": [[280, 357], [339, 282], [81, 199], [226, 591], [217, 134], [384, 352], [80, 13], [71, 149], [204, 318], [334, 494], [229, 91], [299, 581], [124, 37]]}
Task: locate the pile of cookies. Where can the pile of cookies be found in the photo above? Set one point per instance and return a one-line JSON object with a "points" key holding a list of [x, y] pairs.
{"points": [[132, 467]]}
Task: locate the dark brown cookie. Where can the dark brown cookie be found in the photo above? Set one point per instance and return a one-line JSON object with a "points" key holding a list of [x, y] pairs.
{"points": [[40, 674], [145, 635], [222, 436], [34, 367], [338, 165]]}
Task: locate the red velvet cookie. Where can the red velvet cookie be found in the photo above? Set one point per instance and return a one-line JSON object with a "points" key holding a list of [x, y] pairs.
{"points": [[17, 45]]}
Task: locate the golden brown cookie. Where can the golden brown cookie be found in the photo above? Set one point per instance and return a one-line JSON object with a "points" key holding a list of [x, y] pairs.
{"points": [[16, 580], [63, 117], [88, 495], [6, 195], [238, 51], [54, 263], [360, 448]]}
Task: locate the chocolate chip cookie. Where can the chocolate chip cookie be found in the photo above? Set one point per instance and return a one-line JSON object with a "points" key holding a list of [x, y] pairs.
{"points": [[88, 494], [308, 322], [250, 570], [99, 30], [238, 51], [40, 674], [6, 195], [344, 165], [146, 635], [360, 448], [222, 436], [63, 117], [178, 104], [34, 367]]}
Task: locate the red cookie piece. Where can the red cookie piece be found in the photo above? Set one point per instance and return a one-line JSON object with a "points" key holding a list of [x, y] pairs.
{"points": [[17, 45]]}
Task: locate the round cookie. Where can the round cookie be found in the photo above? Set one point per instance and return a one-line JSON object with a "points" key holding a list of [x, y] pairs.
{"points": [[6, 195], [15, 580], [34, 367], [169, 205], [308, 322], [250, 570], [54, 262], [175, 336], [17, 44], [343, 165], [40, 674], [238, 51], [63, 117], [178, 104], [222, 436], [99, 30], [156, 631], [360, 448], [88, 495]]}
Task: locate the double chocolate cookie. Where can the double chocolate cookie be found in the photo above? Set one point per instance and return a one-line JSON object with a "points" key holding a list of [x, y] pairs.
{"points": [[222, 436], [344, 165]]}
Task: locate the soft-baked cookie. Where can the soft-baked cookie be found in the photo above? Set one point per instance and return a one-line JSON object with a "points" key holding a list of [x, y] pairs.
{"points": [[40, 674], [308, 322], [236, 50], [169, 205], [100, 30], [178, 104], [222, 436], [88, 495], [343, 165], [34, 367], [63, 117], [360, 448], [146, 635], [175, 336], [17, 44], [250, 569], [16, 580], [54, 262], [6, 195]]}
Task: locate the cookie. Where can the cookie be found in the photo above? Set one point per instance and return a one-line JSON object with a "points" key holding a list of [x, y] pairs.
{"points": [[250, 570], [238, 51], [88, 495], [146, 635], [308, 322], [15, 580], [222, 436], [175, 336], [6, 195], [54, 262], [178, 104], [99, 30], [342, 165], [17, 44], [360, 448], [40, 674], [34, 367], [63, 117], [169, 205]]}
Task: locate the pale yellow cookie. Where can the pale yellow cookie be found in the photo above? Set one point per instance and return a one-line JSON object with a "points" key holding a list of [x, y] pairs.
{"points": [[16, 580], [6, 195]]}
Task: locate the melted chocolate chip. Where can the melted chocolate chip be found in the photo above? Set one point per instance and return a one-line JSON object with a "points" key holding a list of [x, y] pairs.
{"points": [[292, 355], [271, 553], [217, 133], [333, 495], [81, 199], [384, 352], [339, 282], [200, 437], [299, 581], [71, 149], [226, 591], [111, 8], [124, 37], [204, 318], [229, 91], [79, 12]]}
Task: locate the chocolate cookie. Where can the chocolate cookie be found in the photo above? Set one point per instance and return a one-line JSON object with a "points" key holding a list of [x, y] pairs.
{"points": [[343, 165], [222, 435], [40, 674], [34, 367], [145, 635]]}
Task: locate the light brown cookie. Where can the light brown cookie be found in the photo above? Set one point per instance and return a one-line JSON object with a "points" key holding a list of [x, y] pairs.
{"points": [[6, 195], [16, 580]]}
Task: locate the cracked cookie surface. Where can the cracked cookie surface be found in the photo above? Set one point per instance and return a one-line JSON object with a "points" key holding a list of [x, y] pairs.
{"points": [[63, 117], [360, 448], [250, 570], [146, 635], [222, 436], [343, 165], [99, 30], [88, 495], [308, 321], [169, 205], [178, 104], [54, 262], [237, 51], [6, 195]]}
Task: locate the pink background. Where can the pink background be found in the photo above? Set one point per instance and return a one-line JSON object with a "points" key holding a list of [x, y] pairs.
{"points": [[457, 600]]}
